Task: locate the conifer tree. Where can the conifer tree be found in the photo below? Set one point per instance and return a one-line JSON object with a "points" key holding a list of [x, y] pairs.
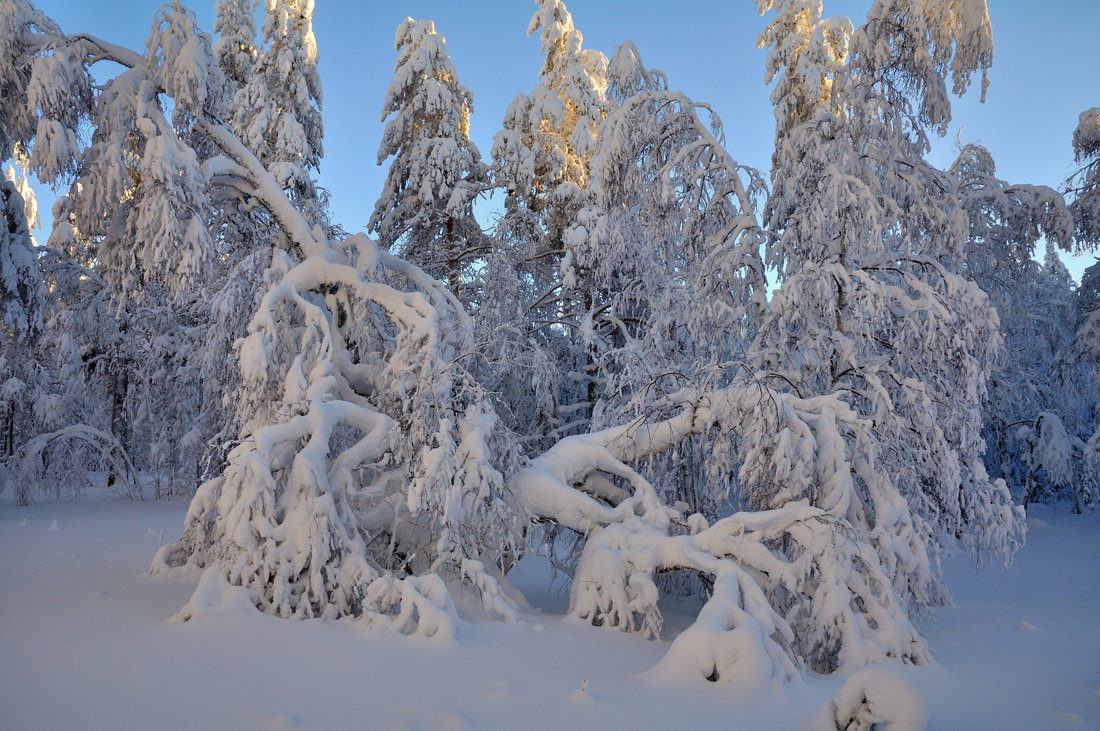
{"points": [[22, 307], [425, 209], [277, 112], [22, 291], [235, 47], [542, 154]]}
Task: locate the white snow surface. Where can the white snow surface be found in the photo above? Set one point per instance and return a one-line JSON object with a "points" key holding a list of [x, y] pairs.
{"points": [[88, 639]]}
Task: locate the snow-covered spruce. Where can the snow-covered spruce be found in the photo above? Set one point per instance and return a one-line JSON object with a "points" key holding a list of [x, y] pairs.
{"points": [[22, 309], [549, 136], [277, 110], [22, 291], [425, 208], [805, 55], [235, 47], [541, 159]]}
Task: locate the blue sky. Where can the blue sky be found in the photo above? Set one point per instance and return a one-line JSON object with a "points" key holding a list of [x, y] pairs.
{"points": [[1045, 72]]}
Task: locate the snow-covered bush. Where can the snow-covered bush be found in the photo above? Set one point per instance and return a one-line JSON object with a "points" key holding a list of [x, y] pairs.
{"points": [[1059, 464], [54, 463], [877, 696]]}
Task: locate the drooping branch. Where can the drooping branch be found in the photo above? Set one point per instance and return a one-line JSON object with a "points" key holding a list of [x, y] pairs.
{"points": [[809, 580]]}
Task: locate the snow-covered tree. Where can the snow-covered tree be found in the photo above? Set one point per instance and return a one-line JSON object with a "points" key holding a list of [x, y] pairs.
{"points": [[22, 306], [873, 305], [425, 209], [542, 154], [793, 586], [235, 47], [805, 54], [277, 112], [667, 258], [1087, 315], [367, 469], [366, 472], [1087, 348], [1083, 187], [137, 204], [1057, 464], [22, 291], [542, 159], [1037, 371]]}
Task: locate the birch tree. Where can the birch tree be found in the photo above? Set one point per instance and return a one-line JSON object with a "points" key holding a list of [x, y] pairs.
{"points": [[872, 304], [1038, 371]]}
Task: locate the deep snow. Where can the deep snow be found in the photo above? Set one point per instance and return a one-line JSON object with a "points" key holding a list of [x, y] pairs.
{"points": [[87, 640]]}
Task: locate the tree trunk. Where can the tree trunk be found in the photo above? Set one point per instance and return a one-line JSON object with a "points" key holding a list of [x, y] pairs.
{"points": [[590, 393], [454, 271], [7, 431], [119, 385]]}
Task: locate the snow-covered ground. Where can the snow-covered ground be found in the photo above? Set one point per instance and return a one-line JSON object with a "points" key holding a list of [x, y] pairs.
{"points": [[87, 641]]}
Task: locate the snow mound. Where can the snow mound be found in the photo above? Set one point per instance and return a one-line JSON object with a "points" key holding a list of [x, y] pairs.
{"points": [[726, 644], [581, 695], [216, 597], [877, 694]]}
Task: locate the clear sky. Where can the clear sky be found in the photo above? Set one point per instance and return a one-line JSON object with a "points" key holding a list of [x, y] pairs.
{"points": [[1045, 72]]}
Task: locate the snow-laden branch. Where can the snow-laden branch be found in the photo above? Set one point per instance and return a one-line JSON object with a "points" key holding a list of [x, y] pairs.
{"points": [[262, 184], [797, 583], [28, 464], [308, 239]]}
